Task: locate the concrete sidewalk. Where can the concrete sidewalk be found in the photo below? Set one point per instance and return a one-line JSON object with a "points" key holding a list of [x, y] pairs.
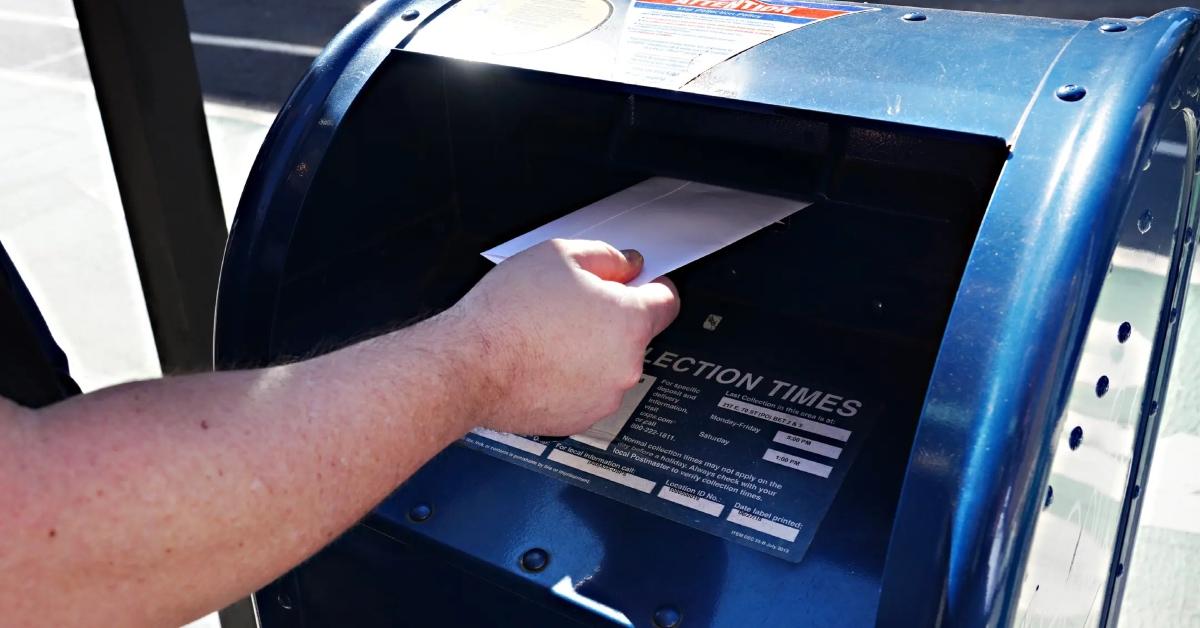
{"points": [[60, 211]]}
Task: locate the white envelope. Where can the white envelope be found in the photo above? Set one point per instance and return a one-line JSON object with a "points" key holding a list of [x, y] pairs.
{"points": [[671, 222]]}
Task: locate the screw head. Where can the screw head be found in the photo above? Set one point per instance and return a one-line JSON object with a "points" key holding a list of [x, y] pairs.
{"points": [[410, 14], [667, 617], [284, 600], [1113, 27], [420, 512], [535, 560], [1070, 92], [913, 17], [1049, 497], [1102, 386]]}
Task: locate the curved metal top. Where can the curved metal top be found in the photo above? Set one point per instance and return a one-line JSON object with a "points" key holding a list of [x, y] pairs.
{"points": [[953, 71], [959, 71], [968, 72], [1003, 375]]}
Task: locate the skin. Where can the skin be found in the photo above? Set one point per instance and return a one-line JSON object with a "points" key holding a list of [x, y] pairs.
{"points": [[153, 503]]}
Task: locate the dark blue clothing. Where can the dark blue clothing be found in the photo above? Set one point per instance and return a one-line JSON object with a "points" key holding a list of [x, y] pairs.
{"points": [[33, 368]]}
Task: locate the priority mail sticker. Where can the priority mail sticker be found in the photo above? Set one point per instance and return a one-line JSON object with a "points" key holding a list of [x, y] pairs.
{"points": [[667, 43]]}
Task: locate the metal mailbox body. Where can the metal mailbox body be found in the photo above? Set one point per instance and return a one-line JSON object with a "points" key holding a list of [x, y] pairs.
{"points": [[1017, 500]]}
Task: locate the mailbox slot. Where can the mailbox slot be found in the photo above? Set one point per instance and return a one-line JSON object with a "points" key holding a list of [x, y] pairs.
{"points": [[438, 160]]}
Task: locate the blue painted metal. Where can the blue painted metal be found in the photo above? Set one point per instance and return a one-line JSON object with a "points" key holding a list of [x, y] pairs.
{"points": [[984, 447], [966, 72], [976, 479]]}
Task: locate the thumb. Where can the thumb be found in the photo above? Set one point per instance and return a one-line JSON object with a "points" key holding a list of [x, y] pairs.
{"points": [[660, 299], [603, 260]]}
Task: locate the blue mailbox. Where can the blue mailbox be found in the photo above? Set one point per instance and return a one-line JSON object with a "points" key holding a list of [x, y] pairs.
{"points": [[930, 397]]}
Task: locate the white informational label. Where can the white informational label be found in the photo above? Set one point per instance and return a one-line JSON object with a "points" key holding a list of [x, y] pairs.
{"points": [[783, 418], [715, 440], [706, 506], [765, 526], [512, 440], [604, 432], [808, 444], [580, 463], [667, 43], [796, 462]]}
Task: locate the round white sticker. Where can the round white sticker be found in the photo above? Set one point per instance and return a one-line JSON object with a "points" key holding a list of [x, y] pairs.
{"points": [[482, 28]]}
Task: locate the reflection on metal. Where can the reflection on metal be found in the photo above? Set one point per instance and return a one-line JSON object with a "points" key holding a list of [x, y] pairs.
{"points": [[1071, 564], [1161, 576], [1148, 436]]}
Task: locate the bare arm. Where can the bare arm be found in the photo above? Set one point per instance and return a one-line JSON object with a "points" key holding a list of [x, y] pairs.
{"points": [[155, 502]]}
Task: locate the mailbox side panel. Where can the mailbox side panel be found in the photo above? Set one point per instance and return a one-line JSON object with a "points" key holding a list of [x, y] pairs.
{"points": [[1008, 367], [1076, 556]]}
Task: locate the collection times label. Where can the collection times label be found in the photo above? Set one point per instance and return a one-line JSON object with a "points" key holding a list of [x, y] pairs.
{"points": [[753, 457]]}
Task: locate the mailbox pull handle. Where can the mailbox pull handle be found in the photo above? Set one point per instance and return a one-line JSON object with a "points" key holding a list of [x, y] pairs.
{"points": [[566, 590]]}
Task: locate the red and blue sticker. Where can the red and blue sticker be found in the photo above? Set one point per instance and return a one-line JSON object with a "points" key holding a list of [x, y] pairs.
{"points": [[789, 11]]}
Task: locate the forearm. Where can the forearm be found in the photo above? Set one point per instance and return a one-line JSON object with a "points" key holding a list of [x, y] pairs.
{"points": [[179, 495], [152, 503]]}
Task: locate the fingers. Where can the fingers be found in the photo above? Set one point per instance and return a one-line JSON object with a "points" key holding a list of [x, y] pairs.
{"points": [[659, 298], [602, 259], [661, 301]]}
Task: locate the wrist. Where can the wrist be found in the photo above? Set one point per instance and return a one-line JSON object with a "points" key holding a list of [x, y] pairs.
{"points": [[465, 358]]}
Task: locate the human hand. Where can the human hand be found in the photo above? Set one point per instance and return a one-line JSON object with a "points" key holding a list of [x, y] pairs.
{"points": [[560, 335]]}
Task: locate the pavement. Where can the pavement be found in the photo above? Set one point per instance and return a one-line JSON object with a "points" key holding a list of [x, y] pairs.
{"points": [[61, 220], [253, 53]]}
